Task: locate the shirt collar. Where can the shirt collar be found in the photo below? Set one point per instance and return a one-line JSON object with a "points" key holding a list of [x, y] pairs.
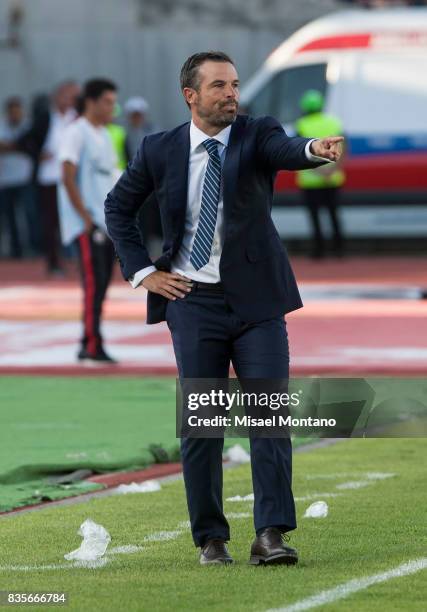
{"points": [[197, 136]]}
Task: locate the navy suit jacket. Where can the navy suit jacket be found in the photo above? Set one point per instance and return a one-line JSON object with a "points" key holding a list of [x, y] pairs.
{"points": [[258, 280]]}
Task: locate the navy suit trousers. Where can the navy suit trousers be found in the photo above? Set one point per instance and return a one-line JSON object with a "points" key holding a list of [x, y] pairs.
{"points": [[207, 336]]}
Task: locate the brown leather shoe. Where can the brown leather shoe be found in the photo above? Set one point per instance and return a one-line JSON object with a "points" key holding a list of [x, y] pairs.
{"points": [[215, 552], [268, 549]]}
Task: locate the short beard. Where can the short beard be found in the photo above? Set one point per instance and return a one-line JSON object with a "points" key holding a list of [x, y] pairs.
{"points": [[220, 120]]}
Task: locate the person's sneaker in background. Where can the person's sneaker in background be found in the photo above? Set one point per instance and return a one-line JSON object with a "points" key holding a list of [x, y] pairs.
{"points": [[100, 357]]}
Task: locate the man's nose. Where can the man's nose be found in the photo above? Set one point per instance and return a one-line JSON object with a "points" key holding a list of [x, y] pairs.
{"points": [[231, 93]]}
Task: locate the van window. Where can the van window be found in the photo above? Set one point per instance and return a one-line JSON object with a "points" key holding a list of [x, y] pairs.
{"points": [[281, 95]]}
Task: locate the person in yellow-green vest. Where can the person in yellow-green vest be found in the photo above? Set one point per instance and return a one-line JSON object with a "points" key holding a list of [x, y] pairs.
{"points": [[118, 138], [320, 186]]}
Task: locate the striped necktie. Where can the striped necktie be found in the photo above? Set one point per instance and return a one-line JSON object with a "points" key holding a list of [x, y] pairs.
{"points": [[202, 245]]}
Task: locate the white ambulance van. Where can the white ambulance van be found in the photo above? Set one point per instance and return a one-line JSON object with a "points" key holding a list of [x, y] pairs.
{"points": [[371, 66]]}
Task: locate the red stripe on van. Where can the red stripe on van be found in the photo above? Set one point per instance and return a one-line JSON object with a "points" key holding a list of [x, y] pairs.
{"points": [[343, 41], [375, 172]]}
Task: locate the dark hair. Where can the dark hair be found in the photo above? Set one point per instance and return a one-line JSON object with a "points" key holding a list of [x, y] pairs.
{"points": [[39, 106], [94, 88], [190, 71], [80, 105]]}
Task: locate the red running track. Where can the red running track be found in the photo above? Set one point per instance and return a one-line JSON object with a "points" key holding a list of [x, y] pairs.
{"points": [[361, 315]]}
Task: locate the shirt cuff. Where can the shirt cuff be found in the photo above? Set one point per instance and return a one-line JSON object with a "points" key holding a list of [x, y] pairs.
{"points": [[137, 278], [314, 158]]}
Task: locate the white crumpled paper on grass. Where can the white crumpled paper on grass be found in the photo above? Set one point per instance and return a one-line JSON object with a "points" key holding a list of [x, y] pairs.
{"points": [[95, 542], [237, 454], [317, 510], [148, 486]]}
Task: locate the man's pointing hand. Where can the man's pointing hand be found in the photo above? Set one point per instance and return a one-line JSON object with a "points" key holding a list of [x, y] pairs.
{"points": [[331, 147]]}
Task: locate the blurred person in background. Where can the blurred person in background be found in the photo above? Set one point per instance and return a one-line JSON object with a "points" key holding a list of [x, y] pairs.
{"points": [[50, 118], [15, 177], [61, 113], [89, 171], [138, 126], [321, 186]]}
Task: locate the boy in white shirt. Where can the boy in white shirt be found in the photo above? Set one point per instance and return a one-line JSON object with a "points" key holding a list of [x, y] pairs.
{"points": [[89, 171]]}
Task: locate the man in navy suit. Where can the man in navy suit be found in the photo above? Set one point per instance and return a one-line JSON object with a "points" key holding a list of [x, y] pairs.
{"points": [[223, 282]]}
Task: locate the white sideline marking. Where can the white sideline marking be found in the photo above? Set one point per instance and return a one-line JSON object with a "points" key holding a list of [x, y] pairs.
{"points": [[240, 498], [316, 496], [127, 549], [97, 563], [55, 566], [238, 515], [161, 536], [334, 476], [353, 586], [379, 475], [331, 476], [355, 484]]}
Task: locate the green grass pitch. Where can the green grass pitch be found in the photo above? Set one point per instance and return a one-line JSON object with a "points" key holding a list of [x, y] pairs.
{"points": [[369, 529]]}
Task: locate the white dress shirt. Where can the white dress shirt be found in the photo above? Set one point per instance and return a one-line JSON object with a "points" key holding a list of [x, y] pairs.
{"points": [[49, 171], [198, 162]]}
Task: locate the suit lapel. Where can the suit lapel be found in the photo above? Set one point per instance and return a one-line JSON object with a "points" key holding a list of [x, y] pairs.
{"points": [[177, 177], [231, 166]]}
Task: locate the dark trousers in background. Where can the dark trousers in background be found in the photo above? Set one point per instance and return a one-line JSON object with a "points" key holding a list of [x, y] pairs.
{"points": [[50, 221], [206, 336], [315, 201], [96, 258], [9, 201], [19, 222]]}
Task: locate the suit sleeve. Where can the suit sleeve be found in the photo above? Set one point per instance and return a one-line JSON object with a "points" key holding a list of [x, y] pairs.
{"points": [[121, 207], [279, 151]]}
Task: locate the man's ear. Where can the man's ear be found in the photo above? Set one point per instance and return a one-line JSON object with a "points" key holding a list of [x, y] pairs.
{"points": [[189, 95]]}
